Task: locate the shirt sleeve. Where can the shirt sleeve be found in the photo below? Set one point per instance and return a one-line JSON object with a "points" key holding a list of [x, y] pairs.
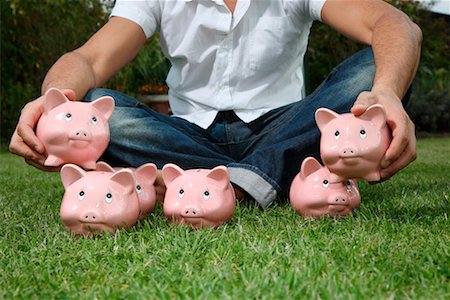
{"points": [[147, 14], [306, 9], [315, 9]]}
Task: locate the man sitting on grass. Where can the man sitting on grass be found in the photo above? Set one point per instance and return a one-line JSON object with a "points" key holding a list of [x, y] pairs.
{"points": [[236, 85]]}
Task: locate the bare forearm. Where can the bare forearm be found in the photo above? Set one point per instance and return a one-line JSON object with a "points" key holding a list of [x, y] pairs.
{"points": [[396, 52], [394, 38], [71, 71], [93, 64]]}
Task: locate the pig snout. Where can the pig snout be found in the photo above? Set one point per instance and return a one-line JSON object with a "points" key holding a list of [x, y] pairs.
{"points": [[348, 152], [338, 199], [80, 134], [90, 217], [191, 211]]}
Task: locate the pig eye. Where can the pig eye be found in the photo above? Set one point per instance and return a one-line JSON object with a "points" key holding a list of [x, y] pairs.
{"points": [[206, 195], [325, 183], [108, 198], [348, 185], [138, 189], [362, 134], [81, 195], [181, 194], [337, 134], [94, 120], [68, 117]]}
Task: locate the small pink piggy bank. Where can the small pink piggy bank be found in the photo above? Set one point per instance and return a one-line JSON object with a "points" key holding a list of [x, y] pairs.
{"points": [[73, 131], [352, 147], [97, 201], [145, 177], [198, 197], [312, 194]]}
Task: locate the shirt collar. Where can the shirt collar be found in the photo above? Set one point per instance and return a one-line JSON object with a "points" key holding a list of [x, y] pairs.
{"points": [[241, 8]]}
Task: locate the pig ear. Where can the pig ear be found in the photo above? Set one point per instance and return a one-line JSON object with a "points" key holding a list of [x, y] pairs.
{"points": [[53, 98], [324, 116], [105, 105], [375, 114], [220, 175], [147, 172], [70, 173], [170, 172], [125, 178], [309, 166], [103, 167]]}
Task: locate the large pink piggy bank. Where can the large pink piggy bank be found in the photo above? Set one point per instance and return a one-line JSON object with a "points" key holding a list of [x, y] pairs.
{"points": [[73, 131], [312, 194], [97, 201], [145, 176], [198, 197], [352, 147]]}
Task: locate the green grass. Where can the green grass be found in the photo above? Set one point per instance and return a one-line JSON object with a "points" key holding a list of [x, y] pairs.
{"points": [[395, 246]]}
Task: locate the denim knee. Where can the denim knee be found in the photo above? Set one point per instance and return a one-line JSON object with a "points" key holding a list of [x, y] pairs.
{"points": [[357, 72]]}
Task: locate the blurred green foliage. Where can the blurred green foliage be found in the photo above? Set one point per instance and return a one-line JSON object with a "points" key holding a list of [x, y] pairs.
{"points": [[35, 33]]}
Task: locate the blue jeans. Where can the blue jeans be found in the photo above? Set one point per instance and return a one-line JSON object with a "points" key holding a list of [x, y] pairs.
{"points": [[262, 156]]}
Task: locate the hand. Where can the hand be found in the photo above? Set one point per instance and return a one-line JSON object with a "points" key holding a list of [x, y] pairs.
{"points": [[24, 141], [402, 150]]}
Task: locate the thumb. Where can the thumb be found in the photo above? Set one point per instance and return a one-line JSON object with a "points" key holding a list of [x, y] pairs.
{"points": [[69, 94], [364, 100]]}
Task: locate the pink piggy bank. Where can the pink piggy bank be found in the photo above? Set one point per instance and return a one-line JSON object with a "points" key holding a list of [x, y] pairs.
{"points": [[198, 197], [352, 147], [312, 194], [73, 131], [145, 177], [98, 201]]}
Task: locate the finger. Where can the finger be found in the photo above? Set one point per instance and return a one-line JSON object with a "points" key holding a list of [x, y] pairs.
{"points": [[408, 156], [25, 129], [41, 166], [402, 135], [69, 94], [29, 138], [405, 157], [364, 100], [18, 147], [28, 154]]}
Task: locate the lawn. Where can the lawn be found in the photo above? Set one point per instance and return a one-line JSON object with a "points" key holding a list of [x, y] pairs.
{"points": [[396, 245]]}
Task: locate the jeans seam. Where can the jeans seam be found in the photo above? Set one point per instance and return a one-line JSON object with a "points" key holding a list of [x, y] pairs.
{"points": [[256, 185], [256, 170]]}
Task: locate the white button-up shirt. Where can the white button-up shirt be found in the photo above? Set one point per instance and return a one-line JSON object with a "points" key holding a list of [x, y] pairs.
{"points": [[249, 62]]}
